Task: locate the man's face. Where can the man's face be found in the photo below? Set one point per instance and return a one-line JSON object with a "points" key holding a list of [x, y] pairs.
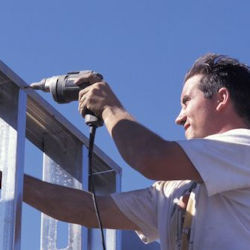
{"points": [[197, 113]]}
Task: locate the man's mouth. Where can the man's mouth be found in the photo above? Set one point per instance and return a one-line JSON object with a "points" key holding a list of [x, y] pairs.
{"points": [[186, 126]]}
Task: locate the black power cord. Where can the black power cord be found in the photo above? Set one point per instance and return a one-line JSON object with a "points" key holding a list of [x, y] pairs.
{"points": [[92, 132]]}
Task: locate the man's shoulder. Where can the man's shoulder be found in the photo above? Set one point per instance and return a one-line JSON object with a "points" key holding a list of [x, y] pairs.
{"points": [[240, 136]]}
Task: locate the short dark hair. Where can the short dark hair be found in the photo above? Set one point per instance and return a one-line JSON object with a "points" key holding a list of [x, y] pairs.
{"points": [[222, 71]]}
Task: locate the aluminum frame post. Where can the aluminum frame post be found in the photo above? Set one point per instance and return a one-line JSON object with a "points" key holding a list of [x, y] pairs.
{"points": [[12, 145], [113, 237], [52, 172], [85, 186]]}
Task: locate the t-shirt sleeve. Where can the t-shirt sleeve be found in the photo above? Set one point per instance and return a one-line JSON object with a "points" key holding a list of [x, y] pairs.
{"points": [[140, 207], [223, 164]]}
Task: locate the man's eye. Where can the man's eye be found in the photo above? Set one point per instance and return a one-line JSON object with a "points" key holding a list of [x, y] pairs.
{"points": [[185, 100]]}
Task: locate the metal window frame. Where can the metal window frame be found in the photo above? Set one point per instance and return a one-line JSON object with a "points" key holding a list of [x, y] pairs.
{"points": [[27, 115]]}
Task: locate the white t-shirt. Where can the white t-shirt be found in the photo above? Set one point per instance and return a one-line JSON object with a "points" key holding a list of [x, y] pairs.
{"points": [[222, 219]]}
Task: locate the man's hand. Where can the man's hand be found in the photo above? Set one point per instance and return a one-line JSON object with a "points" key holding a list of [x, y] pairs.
{"points": [[96, 98]]}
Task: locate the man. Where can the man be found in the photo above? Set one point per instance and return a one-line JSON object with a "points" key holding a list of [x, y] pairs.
{"points": [[215, 115]]}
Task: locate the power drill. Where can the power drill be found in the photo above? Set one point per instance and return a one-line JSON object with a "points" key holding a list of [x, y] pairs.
{"points": [[64, 90]]}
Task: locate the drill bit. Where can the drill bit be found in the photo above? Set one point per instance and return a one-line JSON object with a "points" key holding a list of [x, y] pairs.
{"points": [[40, 85]]}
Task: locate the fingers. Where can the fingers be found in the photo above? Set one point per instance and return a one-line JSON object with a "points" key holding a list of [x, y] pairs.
{"points": [[93, 98], [96, 98], [87, 98], [82, 102], [82, 93], [88, 77]]}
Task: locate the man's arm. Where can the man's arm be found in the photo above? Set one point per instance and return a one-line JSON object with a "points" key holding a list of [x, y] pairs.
{"points": [[73, 205], [147, 152], [142, 149]]}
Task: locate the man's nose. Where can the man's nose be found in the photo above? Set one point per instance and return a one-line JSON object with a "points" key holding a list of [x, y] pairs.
{"points": [[181, 118]]}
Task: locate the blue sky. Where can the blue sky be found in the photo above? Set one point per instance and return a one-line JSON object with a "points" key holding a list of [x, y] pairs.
{"points": [[143, 48]]}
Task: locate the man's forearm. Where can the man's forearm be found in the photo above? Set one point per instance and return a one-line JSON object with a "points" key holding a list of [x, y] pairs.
{"points": [[62, 203], [73, 205]]}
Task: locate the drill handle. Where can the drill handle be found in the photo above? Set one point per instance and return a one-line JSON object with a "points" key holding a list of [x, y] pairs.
{"points": [[92, 120]]}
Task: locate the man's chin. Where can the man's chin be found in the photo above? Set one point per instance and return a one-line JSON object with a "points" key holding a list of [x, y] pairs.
{"points": [[193, 136], [188, 134]]}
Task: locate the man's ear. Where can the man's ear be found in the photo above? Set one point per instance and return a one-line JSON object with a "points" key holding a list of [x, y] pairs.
{"points": [[223, 99]]}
